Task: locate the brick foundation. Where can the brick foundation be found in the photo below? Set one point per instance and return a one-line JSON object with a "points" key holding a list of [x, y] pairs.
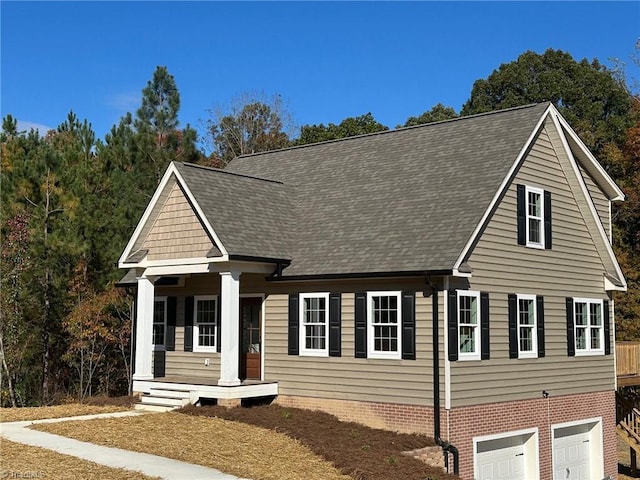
{"points": [[461, 425], [468, 422], [388, 416]]}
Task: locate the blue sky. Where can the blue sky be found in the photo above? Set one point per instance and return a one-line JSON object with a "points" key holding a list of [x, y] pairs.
{"points": [[328, 60]]}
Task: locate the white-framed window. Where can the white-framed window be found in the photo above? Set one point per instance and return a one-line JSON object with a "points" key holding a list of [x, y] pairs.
{"points": [[527, 327], [314, 324], [205, 313], [468, 325], [384, 332], [534, 204], [159, 323], [588, 326]]}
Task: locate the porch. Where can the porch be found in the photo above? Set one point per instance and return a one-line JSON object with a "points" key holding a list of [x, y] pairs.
{"points": [[166, 393]]}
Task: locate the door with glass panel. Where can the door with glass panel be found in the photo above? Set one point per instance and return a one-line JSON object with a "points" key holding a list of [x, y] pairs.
{"points": [[250, 338]]}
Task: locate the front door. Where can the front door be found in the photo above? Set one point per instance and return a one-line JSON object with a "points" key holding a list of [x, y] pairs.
{"points": [[250, 339]]}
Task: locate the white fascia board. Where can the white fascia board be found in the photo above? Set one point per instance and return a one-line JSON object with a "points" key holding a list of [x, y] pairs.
{"points": [[145, 216], [457, 273], [177, 270], [498, 194], [200, 213], [614, 191], [557, 118]]}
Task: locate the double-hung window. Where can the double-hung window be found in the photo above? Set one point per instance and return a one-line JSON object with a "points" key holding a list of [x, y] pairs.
{"points": [[383, 323], [527, 327], [468, 325], [314, 324], [204, 325], [588, 326], [159, 322], [535, 220], [534, 217]]}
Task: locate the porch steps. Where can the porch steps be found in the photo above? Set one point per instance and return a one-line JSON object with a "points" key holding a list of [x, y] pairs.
{"points": [[164, 399]]}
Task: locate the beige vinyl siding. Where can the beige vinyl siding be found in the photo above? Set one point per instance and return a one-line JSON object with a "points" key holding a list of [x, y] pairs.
{"points": [[500, 266], [188, 364], [599, 198], [177, 231], [346, 377]]}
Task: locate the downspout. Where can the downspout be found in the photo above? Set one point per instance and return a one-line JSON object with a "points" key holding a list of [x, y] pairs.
{"points": [[447, 448]]}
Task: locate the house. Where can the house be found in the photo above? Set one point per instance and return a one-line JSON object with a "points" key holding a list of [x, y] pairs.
{"points": [[454, 279]]}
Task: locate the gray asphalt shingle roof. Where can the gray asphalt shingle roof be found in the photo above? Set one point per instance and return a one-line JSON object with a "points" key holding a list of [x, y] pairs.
{"points": [[398, 201], [250, 215]]}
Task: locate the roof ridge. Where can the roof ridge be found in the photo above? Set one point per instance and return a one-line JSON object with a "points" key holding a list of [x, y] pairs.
{"points": [[227, 172], [395, 130]]}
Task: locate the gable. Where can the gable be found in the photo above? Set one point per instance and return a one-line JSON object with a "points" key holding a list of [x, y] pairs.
{"points": [[177, 232]]}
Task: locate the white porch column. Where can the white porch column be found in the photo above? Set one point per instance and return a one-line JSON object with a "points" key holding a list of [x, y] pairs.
{"points": [[230, 324], [144, 329]]}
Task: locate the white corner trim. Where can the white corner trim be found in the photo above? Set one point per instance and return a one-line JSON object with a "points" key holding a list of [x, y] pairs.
{"points": [[505, 182], [557, 119], [619, 194], [200, 213]]}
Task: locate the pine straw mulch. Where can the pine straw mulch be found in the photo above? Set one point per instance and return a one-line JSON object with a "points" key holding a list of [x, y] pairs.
{"points": [[235, 448], [57, 411], [361, 452], [25, 461]]}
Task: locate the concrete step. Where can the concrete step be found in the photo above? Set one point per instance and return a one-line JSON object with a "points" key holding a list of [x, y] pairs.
{"points": [[166, 401], [148, 407], [166, 393]]}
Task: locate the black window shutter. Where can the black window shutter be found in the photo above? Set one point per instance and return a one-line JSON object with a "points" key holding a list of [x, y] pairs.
{"points": [[188, 324], [335, 324], [607, 328], [408, 325], [361, 325], [485, 342], [159, 363], [513, 325], [540, 324], [219, 322], [170, 336], [452, 325], [571, 341], [522, 215], [294, 324], [547, 220]]}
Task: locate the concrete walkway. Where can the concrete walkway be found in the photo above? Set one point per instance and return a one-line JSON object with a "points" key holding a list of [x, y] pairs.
{"points": [[151, 465]]}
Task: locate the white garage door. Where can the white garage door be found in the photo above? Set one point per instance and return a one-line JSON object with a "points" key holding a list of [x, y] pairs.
{"points": [[501, 459], [571, 451]]}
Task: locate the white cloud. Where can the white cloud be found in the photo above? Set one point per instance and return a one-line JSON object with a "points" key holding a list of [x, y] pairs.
{"points": [[124, 102], [25, 125]]}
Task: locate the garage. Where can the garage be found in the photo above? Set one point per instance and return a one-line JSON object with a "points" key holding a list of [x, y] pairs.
{"points": [[577, 451], [509, 456]]}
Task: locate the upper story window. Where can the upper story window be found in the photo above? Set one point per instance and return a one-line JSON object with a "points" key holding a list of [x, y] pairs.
{"points": [[589, 326], [204, 326], [469, 325], [314, 324], [527, 328], [383, 325], [159, 322], [535, 223], [534, 217]]}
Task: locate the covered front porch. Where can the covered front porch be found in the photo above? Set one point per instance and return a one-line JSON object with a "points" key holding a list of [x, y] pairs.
{"points": [[211, 330]]}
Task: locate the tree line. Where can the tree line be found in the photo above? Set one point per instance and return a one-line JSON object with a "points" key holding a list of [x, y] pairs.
{"points": [[70, 201]]}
